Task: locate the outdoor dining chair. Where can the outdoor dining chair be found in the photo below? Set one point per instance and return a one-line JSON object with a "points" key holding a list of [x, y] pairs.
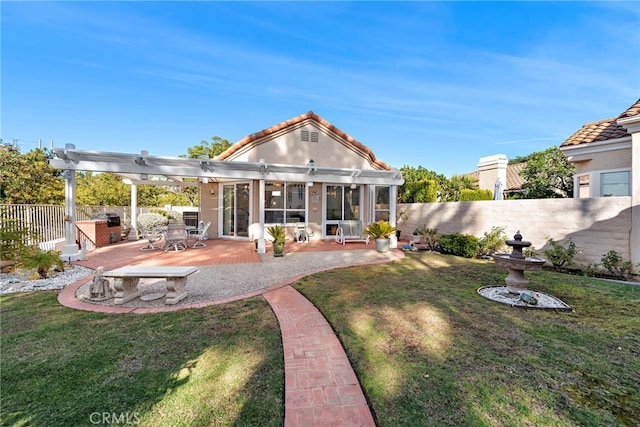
{"points": [[175, 238], [200, 234], [151, 236]]}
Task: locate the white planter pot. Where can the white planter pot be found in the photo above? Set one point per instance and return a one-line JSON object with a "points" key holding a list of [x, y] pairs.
{"points": [[382, 245]]}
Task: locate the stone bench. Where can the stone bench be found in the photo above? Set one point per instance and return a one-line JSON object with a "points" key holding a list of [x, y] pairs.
{"points": [[126, 281]]}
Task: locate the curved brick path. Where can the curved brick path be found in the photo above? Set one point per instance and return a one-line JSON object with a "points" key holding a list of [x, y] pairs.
{"points": [[321, 388], [320, 385]]}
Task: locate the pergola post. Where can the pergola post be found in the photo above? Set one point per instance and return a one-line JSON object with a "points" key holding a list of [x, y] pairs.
{"points": [[261, 242], [133, 234], [393, 194], [70, 250]]}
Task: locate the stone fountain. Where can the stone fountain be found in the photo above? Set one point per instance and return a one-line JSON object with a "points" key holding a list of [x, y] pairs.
{"points": [[516, 292], [517, 263]]}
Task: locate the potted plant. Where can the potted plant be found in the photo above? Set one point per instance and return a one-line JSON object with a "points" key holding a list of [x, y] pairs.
{"points": [[279, 235], [380, 231]]}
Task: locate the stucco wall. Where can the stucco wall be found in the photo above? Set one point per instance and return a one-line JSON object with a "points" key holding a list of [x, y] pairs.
{"points": [[596, 225], [290, 149]]}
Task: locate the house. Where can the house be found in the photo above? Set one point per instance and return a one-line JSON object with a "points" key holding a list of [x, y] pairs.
{"points": [[492, 168], [303, 172], [606, 154], [602, 153]]}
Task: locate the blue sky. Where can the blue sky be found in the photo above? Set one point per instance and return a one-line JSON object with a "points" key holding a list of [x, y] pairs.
{"points": [[432, 84]]}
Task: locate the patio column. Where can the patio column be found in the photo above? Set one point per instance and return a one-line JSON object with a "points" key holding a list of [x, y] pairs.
{"points": [[261, 242], [393, 194], [70, 250], [133, 234]]}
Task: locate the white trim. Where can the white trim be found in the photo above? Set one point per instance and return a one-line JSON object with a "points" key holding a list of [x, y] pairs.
{"points": [[597, 147], [631, 124]]}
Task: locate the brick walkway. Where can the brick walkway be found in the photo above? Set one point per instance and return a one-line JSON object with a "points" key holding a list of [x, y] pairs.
{"points": [[321, 388]]}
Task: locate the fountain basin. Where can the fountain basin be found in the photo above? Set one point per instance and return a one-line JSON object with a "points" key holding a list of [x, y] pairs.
{"points": [[516, 282], [524, 264]]}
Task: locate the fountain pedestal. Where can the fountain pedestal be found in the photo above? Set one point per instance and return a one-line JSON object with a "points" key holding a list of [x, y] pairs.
{"points": [[517, 263]]}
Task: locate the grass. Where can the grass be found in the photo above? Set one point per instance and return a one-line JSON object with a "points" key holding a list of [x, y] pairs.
{"points": [[429, 351], [213, 366]]}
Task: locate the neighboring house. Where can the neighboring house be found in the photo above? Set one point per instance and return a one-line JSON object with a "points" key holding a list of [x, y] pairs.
{"points": [[303, 172], [607, 159], [492, 168], [602, 154]]}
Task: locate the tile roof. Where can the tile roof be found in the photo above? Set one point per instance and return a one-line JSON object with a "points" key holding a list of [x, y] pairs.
{"points": [[514, 176], [310, 115], [602, 130]]}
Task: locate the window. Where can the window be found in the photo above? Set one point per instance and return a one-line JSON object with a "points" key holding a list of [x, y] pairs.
{"points": [[285, 202], [615, 184], [381, 206]]}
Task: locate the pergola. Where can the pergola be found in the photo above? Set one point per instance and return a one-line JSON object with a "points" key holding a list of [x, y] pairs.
{"points": [[145, 169]]}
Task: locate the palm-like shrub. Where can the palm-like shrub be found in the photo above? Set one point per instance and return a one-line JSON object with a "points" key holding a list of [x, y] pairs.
{"points": [[41, 261], [380, 230], [277, 233]]}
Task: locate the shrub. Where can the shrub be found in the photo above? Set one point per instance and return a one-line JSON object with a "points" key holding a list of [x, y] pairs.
{"points": [[171, 216], [277, 233], [560, 255], [465, 245], [615, 264], [470, 195], [380, 230], [492, 241], [41, 261], [429, 236], [13, 239], [149, 221]]}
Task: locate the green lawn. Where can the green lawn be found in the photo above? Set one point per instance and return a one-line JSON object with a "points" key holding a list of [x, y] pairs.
{"points": [[430, 352], [212, 366], [427, 349]]}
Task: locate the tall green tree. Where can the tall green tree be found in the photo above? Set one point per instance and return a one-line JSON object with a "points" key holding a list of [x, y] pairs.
{"points": [[28, 178], [101, 189], [179, 195], [548, 174], [216, 146]]}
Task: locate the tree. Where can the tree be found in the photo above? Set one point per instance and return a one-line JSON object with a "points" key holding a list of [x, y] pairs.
{"points": [[28, 178], [211, 149], [548, 174], [101, 189]]}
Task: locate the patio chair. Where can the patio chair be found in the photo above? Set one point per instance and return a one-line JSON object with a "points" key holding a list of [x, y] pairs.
{"points": [[200, 234], [175, 238], [151, 236]]}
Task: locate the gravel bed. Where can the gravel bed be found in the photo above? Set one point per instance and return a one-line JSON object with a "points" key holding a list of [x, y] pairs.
{"points": [[214, 282], [20, 282], [501, 295]]}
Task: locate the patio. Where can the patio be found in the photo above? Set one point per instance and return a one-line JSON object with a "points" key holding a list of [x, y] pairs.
{"points": [[221, 277]]}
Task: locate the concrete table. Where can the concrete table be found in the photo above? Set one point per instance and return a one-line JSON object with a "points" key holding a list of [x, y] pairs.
{"points": [[126, 281]]}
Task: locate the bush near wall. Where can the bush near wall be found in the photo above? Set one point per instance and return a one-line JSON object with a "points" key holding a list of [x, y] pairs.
{"points": [[459, 244], [469, 195]]}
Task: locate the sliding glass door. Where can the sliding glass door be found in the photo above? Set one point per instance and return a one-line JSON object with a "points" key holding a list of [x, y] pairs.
{"points": [[236, 208], [341, 203]]}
